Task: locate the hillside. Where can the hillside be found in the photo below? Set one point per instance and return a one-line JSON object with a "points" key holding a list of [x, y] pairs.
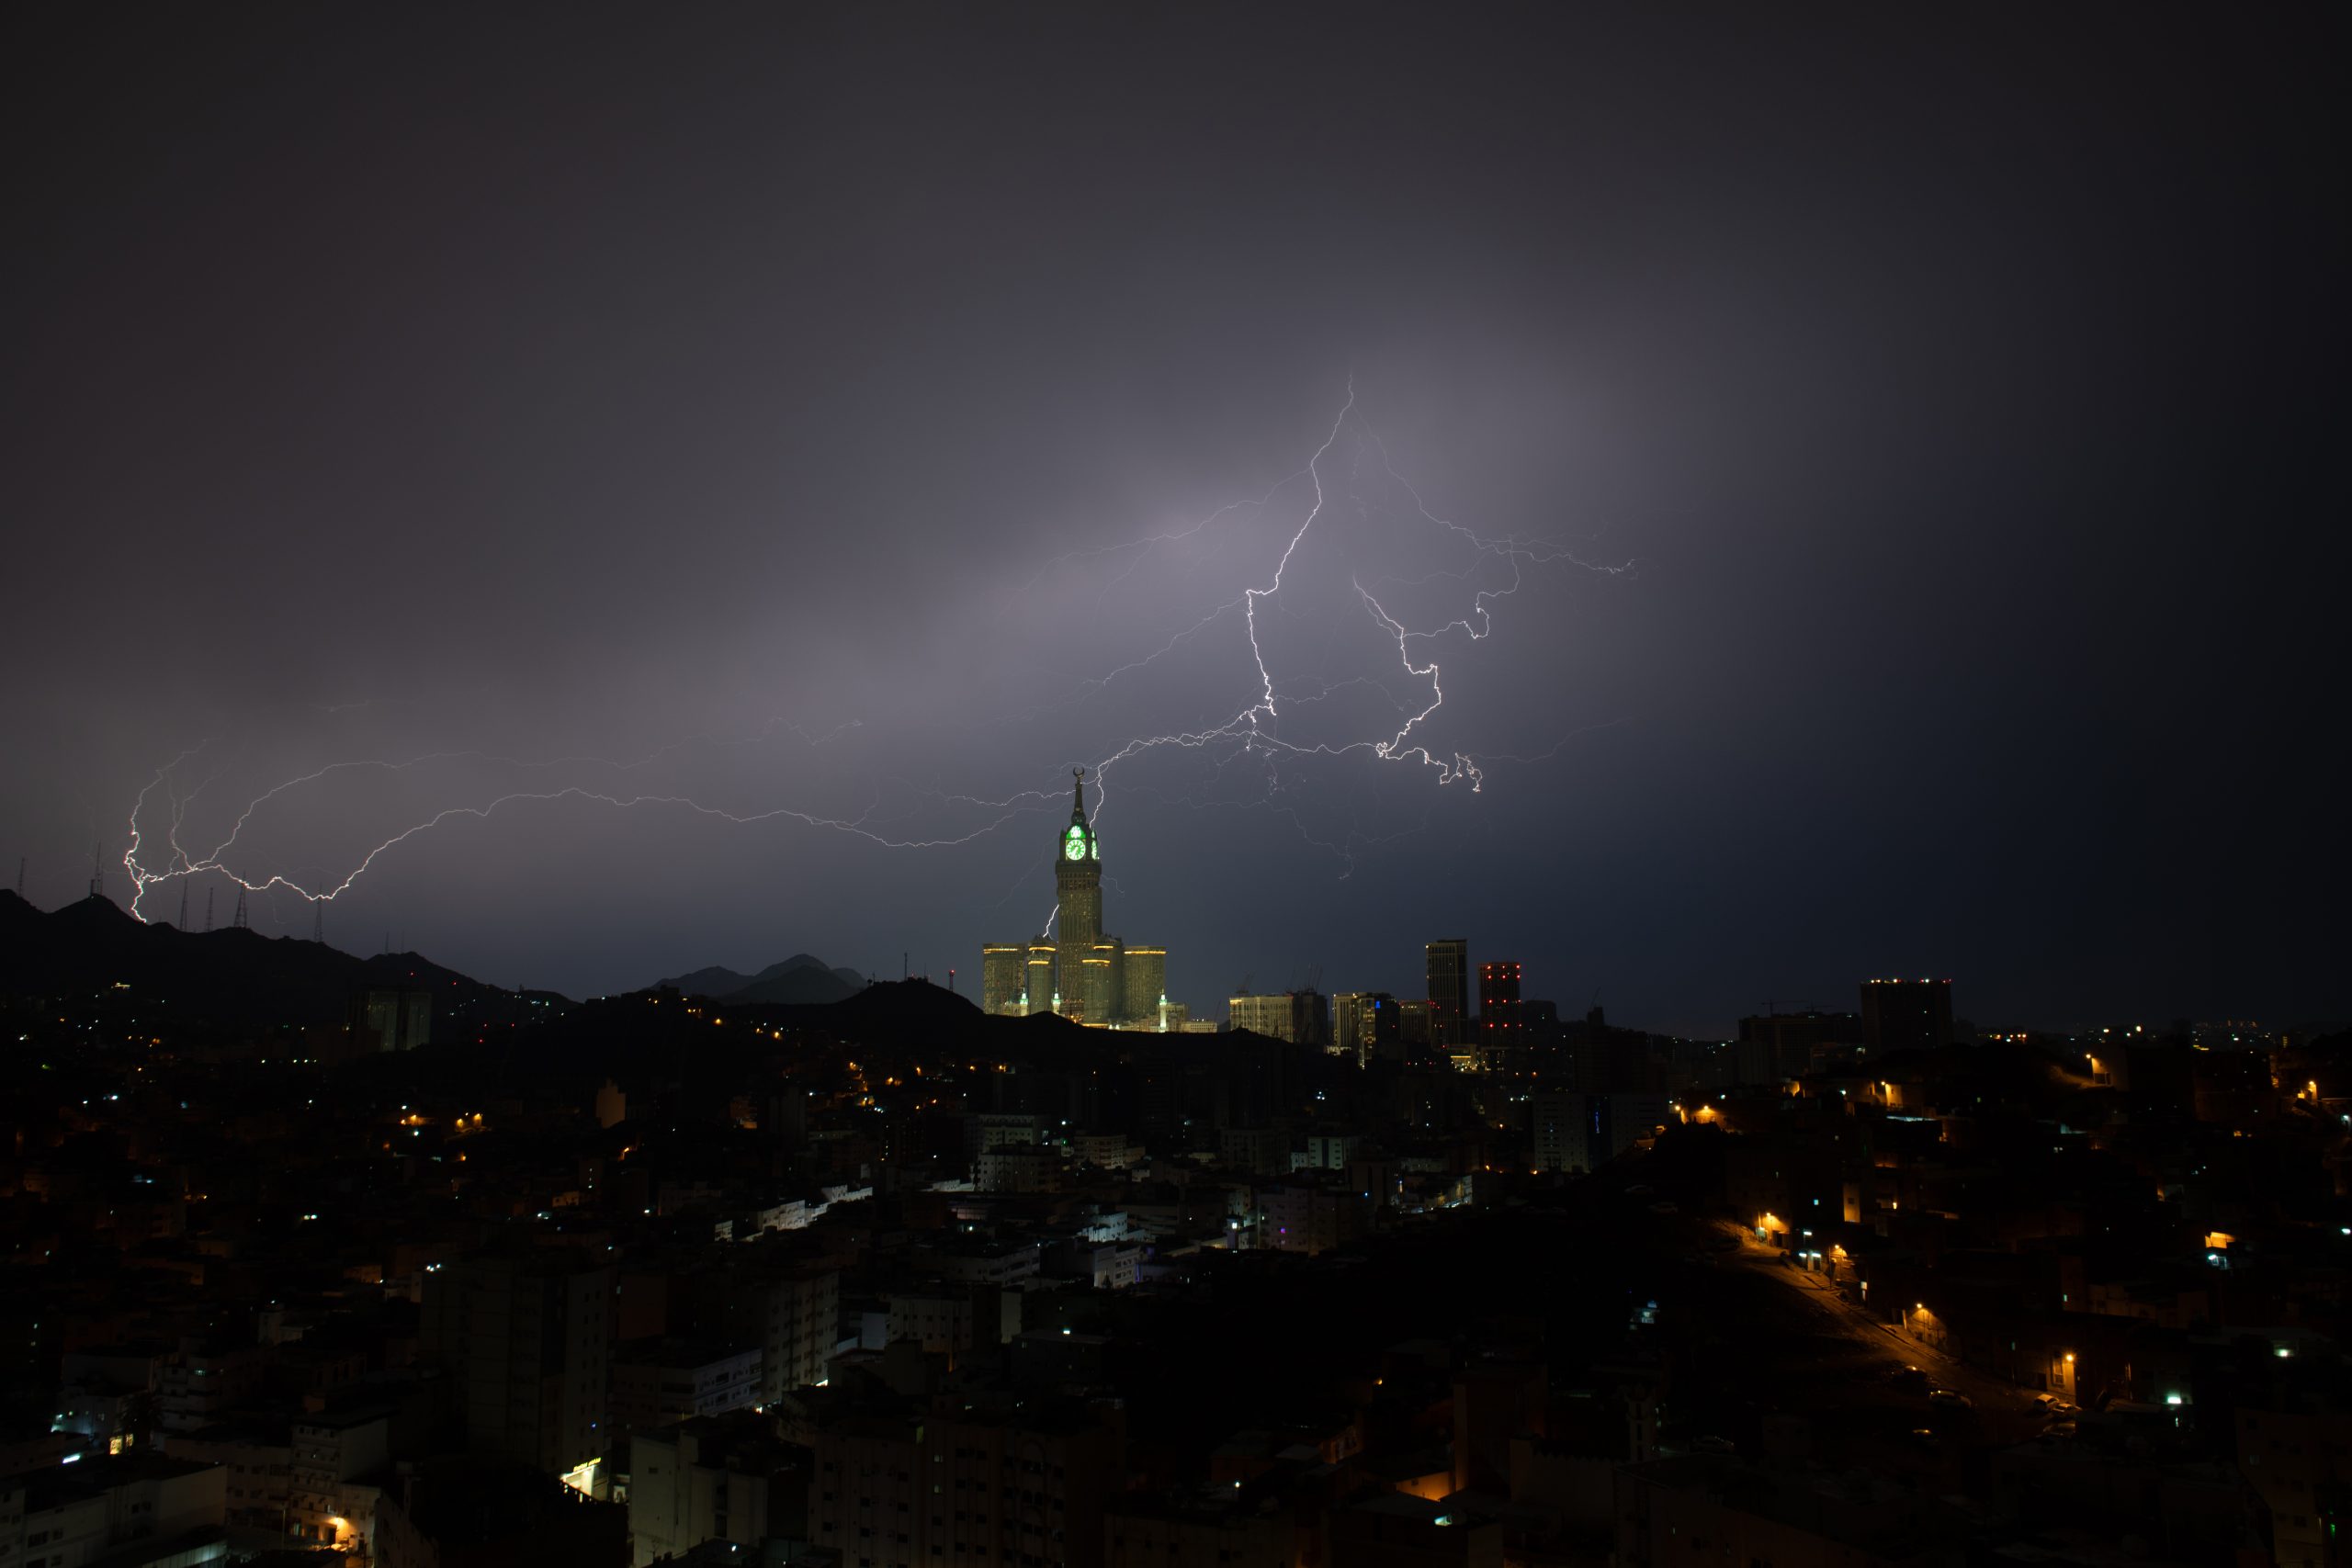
{"points": [[232, 977]]}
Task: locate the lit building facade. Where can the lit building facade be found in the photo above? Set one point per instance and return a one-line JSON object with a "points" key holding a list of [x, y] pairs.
{"points": [[704, 1479], [1004, 977], [1362, 1022], [1080, 972], [1300, 1017], [1269, 1016]]}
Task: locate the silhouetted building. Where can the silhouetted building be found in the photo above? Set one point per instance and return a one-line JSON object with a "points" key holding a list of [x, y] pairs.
{"points": [[1905, 1015], [1774, 1046], [526, 1342], [1449, 990], [1022, 1486]]}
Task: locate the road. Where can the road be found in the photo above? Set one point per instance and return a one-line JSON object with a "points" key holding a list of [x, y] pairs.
{"points": [[2003, 1413]]}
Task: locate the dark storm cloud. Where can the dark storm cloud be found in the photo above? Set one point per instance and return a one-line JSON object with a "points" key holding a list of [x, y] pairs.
{"points": [[571, 382]]}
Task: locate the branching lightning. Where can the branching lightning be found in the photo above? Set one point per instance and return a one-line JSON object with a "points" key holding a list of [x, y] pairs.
{"points": [[1252, 730]]}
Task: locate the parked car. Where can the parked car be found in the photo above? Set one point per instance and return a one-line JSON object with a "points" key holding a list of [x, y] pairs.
{"points": [[1950, 1399], [1910, 1378]]}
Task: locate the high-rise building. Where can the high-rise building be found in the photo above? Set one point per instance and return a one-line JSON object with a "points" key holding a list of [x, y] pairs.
{"points": [[1449, 992], [527, 1344], [1362, 1022], [789, 1304], [1079, 972], [1502, 1017], [1004, 978], [1267, 1015], [1298, 1017], [1310, 1017], [1905, 1015], [1043, 993], [1147, 983]]}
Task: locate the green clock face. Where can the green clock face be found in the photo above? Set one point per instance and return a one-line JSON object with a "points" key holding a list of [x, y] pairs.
{"points": [[1074, 845]]}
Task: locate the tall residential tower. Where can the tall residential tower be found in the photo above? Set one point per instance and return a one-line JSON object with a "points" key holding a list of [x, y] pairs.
{"points": [[1449, 993]]}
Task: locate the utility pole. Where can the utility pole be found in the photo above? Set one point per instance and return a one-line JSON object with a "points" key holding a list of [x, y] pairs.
{"points": [[183, 906], [97, 871], [207, 909], [239, 921], [319, 922]]}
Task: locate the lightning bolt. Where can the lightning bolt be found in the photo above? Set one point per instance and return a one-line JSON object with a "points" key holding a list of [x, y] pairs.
{"points": [[1250, 732]]}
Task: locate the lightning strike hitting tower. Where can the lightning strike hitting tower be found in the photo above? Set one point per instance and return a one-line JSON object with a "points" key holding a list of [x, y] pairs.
{"points": [[1078, 973]]}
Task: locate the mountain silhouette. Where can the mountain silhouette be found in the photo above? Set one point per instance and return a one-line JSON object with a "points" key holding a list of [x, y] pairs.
{"points": [[233, 977], [801, 980]]}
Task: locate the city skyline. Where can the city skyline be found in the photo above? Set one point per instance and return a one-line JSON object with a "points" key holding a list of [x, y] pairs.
{"points": [[1322, 786], [1843, 543]]}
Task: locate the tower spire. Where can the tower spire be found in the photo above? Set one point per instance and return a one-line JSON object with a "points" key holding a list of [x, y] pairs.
{"points": [[1078, 796]]}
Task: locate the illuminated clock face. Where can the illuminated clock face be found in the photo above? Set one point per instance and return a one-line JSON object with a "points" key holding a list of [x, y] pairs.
{"points": [[1074, 846]]}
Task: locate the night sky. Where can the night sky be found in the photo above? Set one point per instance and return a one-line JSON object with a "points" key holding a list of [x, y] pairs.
{"points": [[1922, 435]]}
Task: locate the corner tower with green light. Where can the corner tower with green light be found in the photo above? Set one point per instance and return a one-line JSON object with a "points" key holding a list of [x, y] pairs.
{"points": [[1077, 875], [1078, 972]]}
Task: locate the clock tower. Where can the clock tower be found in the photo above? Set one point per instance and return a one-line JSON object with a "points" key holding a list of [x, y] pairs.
{"points": [[1076, 970], [1078, 874]]}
